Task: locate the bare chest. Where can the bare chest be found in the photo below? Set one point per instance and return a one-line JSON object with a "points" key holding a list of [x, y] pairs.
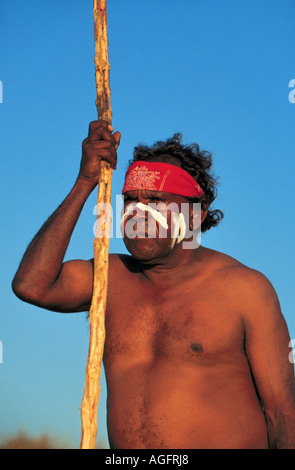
{"points": [[190, 325]]}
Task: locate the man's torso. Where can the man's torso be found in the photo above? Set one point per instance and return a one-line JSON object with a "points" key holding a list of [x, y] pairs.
{"points": [[175, 362]]}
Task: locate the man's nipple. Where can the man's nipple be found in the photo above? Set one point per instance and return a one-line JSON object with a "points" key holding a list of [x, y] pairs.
{"points": [[196, 347]]}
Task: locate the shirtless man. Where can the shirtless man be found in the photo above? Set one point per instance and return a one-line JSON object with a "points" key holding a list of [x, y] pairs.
{"points": [[196, 352]]}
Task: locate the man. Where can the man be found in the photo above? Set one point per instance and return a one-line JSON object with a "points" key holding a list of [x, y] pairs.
{"points": [[196, 352]]}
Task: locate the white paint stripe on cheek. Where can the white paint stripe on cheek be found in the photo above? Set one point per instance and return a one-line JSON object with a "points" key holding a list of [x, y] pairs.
{"points": [[175, 225], [182, 228], [144, 208], [179, 228]]}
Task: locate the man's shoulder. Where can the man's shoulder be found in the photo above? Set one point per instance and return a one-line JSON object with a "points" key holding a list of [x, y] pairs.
{"points": [[246, 290], [243, 278]]}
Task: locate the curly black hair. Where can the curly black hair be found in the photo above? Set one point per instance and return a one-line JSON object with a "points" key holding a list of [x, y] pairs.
{"points": [[197, 163]]}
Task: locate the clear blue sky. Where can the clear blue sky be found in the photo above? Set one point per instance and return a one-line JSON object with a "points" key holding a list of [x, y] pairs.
{"points": [[215, 70]]}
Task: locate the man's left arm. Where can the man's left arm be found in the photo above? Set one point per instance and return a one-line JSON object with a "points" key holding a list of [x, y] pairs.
{"points": [[267, 347]]}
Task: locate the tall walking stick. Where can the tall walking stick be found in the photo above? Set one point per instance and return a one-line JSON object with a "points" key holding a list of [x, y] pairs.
{"points": [[90, 400]]}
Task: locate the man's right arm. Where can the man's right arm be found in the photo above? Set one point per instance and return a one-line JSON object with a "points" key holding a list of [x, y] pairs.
{"points": [[42, 278]]}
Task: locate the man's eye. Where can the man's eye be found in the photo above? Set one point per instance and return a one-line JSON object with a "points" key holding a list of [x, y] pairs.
{"points": [[156, 199]]}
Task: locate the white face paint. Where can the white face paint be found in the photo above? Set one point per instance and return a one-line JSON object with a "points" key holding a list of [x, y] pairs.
{"points": [[143, 208], [179, 230], [178, 221]]}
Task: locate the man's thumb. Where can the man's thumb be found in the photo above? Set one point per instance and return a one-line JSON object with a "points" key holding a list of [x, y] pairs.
{"points": [[117, 136]]}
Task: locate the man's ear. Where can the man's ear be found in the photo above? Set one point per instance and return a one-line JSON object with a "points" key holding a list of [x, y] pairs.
{"points": [[197, 217]]}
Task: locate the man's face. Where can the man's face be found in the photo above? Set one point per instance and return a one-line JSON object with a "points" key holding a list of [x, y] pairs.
{"points": [[149, 223]]}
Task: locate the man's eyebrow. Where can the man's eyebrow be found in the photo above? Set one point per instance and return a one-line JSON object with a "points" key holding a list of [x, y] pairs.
{"points": [[152, 194], [149, 194], [129, 196]]}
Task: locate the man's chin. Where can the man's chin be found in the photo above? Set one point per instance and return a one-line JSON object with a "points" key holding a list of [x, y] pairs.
{"points": [[144, 249]]}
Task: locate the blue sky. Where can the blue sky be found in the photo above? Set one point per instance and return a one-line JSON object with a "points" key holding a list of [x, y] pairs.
{"points": [[215, 70]]}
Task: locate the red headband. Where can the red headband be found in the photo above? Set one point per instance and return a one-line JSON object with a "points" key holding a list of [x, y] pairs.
{"points": [[159, 176]]}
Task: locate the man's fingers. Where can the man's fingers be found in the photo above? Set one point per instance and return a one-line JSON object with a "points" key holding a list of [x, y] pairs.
{"points": [[99, 145], [117, 137], [100, 123], [100, 150], [101, 128], [105, 155], [101, 133]]}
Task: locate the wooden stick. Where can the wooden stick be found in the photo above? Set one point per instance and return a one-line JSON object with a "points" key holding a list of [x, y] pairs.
{"points": [[90, 401]]}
